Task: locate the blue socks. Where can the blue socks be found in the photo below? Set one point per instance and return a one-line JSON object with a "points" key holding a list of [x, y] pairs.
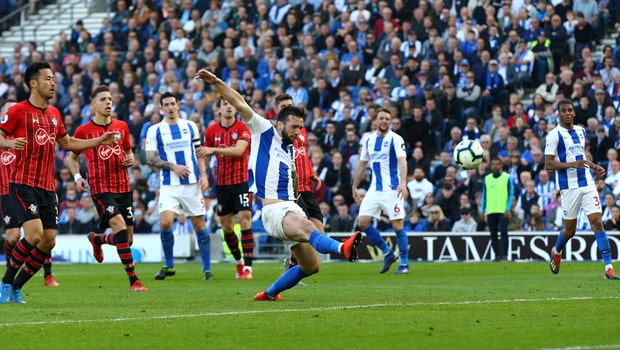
{"points": [[403, 246], [560, 243], [603, 246], [375, 238], [167, 243], [204, 244], [288, 280], [323, 244]]}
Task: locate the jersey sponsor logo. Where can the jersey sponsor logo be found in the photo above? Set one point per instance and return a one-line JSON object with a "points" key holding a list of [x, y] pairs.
{"points": [[107, 151], [33, 208], [42, 137], [301, 151], [378, 156], [7, 157]]}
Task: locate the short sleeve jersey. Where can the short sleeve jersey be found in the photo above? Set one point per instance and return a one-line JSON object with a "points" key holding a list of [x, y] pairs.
{"points": [[230, 170], [382, 153], [34, 165], [271, 161], [106, 172], [175, 143], [569, 146]]}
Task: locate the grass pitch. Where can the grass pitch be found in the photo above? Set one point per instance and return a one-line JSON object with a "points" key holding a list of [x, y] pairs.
{"points": [[345, 306]]}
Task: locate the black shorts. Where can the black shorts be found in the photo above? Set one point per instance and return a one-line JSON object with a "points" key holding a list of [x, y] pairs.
{"points": [[232, 199], [9, 216], [34, 203], [111, 204], [307, 201]]}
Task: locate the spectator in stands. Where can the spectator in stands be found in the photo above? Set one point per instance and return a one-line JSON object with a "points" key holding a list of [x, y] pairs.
{"points": [[600, 144], [437, 220], [608, 202], [343, 221], [466, 223], [613, 223]]}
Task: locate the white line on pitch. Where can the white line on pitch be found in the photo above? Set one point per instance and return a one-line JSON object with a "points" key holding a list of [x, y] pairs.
{"points": [[331, 308]]}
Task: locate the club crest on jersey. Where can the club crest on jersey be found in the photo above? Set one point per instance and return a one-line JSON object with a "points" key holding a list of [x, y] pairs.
{"points": [[7, 157], [4, 119], [55, 122], [110, 209], [33, 208], [234, 136], [7, 220]]}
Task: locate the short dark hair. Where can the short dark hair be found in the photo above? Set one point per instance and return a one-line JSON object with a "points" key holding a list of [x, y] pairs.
{"points": [[282, 97], [33, 71], [290, 110], [563, 102], [99, 89], [167, 94]]}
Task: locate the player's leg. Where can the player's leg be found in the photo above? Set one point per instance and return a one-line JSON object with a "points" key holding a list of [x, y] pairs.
{"points": [[204, 245], [48, 278], [232, 241], [120, 239], [166, 218], [571, 205], [602, 241], [12, 237], [247, 242], [403, 246], [308, 264]]}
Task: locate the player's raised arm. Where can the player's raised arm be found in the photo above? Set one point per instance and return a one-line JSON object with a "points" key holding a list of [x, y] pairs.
{"points": [[228, 93]]}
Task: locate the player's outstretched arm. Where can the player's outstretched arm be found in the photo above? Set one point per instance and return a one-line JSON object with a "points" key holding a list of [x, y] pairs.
{"points": [[228, 93], [72, 144]]}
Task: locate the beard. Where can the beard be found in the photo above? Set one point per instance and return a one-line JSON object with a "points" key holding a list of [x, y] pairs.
{"points": [[287, 139]]}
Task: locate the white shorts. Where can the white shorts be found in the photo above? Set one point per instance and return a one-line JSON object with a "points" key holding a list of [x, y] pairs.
{"points": [[388, 201], [576, 198], [186, 197], [273, 215]]}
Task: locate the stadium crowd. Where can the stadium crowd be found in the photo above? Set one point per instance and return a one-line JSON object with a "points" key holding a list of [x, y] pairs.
{"points": [[448, 69]]}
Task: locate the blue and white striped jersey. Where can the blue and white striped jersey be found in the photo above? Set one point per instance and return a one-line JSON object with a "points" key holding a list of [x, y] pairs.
{"points": [[382, 153], [569, 146], [271, 162], [175, 144]]}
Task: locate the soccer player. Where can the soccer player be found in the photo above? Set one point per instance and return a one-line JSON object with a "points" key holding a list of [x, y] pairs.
{"points": [[108, 180], [273, 179], [229, 140], [36, 127], [565, 153], [171, 146], [307, 178], [385, 154], [11, 227]]}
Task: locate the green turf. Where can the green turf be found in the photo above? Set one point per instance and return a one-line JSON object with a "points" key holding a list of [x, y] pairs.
{"points": [[345, 306]]}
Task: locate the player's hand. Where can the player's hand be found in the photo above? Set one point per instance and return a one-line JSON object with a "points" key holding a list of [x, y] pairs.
{"points": [[203, 181], [109, 138], [19, 143], [204, 152], [356, 196], [599, 171], [128, 160], [508, 215], [181, 170], [581, 164], [316, 181], [82, 185], [206, 76], [402, 192]]}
